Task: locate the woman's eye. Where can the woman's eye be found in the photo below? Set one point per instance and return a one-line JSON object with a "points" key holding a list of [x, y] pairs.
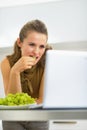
{"points": [[31, 44], [42, 46]]}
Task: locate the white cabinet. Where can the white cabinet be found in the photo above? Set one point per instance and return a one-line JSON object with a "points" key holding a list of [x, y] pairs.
{"points": [[0, 125], [68, 125]]}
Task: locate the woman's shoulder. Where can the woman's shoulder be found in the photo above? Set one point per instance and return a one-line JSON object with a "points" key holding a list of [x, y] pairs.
{"points": [[4, 62]]}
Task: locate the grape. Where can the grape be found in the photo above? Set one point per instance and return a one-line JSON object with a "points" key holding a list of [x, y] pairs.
{"points": [[17, 99], [1, 101]]}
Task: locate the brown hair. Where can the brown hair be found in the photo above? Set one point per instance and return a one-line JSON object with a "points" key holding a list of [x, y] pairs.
{"points": [[34, 25]]}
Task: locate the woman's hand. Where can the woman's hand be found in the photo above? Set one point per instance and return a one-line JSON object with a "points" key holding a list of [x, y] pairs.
{"points": [[39, 101], [23, 63]]}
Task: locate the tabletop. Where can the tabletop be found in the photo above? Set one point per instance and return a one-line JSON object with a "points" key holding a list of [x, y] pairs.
{"points": [[42, 115]]}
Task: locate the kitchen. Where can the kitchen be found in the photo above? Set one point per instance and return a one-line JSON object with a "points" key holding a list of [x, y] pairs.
{"points": [[66, 22]]}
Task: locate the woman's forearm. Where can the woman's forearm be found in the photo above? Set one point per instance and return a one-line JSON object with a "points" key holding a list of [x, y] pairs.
{"points": [[14, 85]]}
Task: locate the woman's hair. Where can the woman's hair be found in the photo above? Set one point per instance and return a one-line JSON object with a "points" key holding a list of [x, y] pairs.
{"points": [[34, 25]]}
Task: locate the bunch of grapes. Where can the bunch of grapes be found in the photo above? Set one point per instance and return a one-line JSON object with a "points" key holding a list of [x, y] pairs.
{"points": [[17, 99]]}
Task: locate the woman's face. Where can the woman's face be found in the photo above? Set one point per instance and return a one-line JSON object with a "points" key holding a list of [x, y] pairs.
{"points": [[34, 45]]}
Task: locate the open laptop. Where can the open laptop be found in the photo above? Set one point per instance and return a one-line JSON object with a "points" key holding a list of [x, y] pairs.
{"points": [[65, 84]]}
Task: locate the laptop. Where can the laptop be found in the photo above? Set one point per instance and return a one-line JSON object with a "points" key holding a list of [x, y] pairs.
{"points": [[65, 84]]}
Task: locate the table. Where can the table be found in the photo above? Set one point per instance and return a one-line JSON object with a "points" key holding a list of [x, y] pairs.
{"points": [[42, 115]]}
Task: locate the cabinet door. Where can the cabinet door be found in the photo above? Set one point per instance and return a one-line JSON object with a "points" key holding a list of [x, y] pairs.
{"points": [[68, 125]]}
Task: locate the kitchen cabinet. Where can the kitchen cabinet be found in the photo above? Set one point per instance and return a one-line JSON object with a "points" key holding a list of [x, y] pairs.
{"points": [[68, 125], [58, 119]]}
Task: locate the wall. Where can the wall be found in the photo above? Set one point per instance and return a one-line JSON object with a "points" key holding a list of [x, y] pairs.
{"points": [[66, 20], [10, 3]]}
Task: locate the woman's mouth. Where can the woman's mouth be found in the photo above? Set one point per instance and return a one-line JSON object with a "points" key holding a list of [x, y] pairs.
{"points": [[35, 57]]}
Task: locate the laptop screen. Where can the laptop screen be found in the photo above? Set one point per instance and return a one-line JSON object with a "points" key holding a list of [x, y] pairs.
{"points": [[65, 84]]}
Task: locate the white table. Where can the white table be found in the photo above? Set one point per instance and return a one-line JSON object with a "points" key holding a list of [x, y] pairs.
{"points": [[42, 115]]}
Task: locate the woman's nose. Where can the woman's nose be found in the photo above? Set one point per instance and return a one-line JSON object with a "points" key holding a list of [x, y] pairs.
{"points": [[36, 51]]}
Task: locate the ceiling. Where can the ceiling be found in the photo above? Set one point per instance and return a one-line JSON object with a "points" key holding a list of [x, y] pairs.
{"points": [[8, 3]]}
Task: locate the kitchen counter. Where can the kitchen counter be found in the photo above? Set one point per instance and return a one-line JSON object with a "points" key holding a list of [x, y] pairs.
{"points": [[42, 115]]}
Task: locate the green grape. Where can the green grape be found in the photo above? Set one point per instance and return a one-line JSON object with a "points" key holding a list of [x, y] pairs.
{"points": [[1, 101], [17, 99]]}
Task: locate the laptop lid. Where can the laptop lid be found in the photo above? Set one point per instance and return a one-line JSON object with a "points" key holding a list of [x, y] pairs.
{"points": [[65, 84]]}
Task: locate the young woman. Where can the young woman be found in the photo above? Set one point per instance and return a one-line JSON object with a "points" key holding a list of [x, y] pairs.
{"points": [[23, 71]]}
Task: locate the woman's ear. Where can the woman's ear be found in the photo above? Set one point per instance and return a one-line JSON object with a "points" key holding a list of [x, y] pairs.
{"points": [[19, 42]]}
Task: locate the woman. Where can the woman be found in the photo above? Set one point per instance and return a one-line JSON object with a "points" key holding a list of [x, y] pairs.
{"points": [[23, 71]]}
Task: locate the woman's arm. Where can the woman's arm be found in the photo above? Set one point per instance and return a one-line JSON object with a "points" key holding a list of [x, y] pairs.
{"points": [[11, 76], [11, 79], [40, 99]]}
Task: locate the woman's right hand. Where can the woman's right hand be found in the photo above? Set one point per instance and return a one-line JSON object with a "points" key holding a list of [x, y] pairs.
{"points": [[25, 62]]}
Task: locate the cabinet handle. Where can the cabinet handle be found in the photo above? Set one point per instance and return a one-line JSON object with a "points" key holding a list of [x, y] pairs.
{"points": [[64, 122]]}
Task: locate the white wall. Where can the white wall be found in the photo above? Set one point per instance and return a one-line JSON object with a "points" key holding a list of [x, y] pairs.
{"points": [[66, 20], [10, 3]]}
